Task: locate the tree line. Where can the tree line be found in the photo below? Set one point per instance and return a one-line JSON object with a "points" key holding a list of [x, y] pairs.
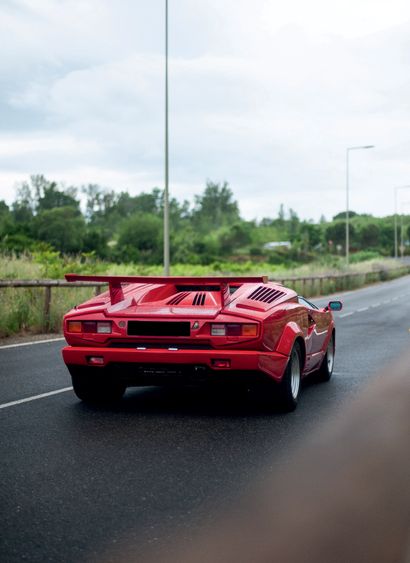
{"points": [[116, 226]]}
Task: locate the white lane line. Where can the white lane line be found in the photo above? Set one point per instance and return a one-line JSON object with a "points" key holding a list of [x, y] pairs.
{"points": [[362, 309], [31, 343], [376, 304], [34, 398], [346, 315]]}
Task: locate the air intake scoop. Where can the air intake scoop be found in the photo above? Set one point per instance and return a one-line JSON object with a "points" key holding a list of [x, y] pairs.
{"points": [[266, 294]]}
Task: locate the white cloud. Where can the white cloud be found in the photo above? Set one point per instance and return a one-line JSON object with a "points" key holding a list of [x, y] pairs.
{"points": [[262, 95]]}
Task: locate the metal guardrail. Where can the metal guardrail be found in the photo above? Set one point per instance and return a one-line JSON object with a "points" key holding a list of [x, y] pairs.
{"points": [[306, 285]]}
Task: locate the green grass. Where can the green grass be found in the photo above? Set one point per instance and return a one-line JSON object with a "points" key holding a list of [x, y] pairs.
{"points": [[22, 308]]}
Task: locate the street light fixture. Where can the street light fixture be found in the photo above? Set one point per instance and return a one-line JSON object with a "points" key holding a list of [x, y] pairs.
{"points": [[166, 190], [396, 189], [347, 194]]}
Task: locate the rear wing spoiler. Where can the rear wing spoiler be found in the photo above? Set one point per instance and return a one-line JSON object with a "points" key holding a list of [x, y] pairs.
{"points": [[117, 295]]}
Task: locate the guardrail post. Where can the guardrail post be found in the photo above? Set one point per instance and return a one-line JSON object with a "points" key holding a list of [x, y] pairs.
{"points": [[47, 308]]}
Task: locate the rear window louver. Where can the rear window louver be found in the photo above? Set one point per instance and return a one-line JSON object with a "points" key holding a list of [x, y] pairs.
{"points": [[199, 299], [266, 294], [176, 300]]}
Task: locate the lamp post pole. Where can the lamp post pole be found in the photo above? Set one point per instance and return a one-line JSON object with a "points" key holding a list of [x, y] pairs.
{"points": [[402, 228], [347, 195], [401, 232], [396, 189], [166, 190]]}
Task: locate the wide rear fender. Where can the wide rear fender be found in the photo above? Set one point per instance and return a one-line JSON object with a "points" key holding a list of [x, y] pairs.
{"points": [[290, 333]]}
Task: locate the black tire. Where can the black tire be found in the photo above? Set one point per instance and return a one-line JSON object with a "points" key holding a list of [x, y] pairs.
{"points": [[94, 387], [324, 373], [289, 387]]}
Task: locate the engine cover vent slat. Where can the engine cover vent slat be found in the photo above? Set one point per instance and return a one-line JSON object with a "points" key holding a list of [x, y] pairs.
{"points": [[265, 294], [199, 299], [176, 300]]}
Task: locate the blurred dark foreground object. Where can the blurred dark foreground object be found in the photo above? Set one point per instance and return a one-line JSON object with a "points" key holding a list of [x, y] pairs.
{"points": [[344, 498]]}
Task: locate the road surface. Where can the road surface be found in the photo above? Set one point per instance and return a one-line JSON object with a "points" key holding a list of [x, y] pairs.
{"points": [[78, 481]]}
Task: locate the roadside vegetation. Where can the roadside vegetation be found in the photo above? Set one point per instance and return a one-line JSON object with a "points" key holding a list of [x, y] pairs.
{"points": [[51, 229], [121, 228]]}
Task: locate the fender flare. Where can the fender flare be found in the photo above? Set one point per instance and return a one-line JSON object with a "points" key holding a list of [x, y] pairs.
{"points": [[290, 334]]}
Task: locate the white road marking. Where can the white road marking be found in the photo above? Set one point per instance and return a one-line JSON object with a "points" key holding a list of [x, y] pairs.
{"points": [[362, 309], [31, 343], [35, 397]]}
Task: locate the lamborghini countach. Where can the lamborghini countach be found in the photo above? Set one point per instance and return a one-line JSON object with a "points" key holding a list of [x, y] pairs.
{"points": [[172, 330]]}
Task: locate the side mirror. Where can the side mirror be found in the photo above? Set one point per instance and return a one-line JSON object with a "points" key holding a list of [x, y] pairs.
{"points": [[334, 306]]}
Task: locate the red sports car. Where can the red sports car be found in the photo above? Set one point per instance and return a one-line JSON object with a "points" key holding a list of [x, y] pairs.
{"points": [[163, 330]]}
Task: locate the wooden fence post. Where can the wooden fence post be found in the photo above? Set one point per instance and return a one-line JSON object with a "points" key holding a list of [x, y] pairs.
{"points": [[47, 308]]}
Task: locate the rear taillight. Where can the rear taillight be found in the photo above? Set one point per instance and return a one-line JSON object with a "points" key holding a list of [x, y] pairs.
{"points": [[104, 327], [234, 329], [89, 327]]}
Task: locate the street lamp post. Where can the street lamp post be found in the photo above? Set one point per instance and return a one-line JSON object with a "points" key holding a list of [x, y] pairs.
{"points": [[402, 228], [166, 190], [396, 189], [347, 194]]}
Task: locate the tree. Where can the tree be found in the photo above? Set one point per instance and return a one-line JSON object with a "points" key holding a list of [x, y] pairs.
{"points": [[294, 224], [336, 232], [233, 237], [53, 198], [342, 215], [62, 227], [140, 239], [369, 236], [311, 236], [6, 219], [215, 207], [23, 207]]}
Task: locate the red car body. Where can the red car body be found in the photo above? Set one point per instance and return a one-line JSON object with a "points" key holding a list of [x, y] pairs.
{"points": [[158, 330]]}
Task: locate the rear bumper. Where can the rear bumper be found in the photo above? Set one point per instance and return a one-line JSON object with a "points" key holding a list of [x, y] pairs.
{"points": [[271, 364]]}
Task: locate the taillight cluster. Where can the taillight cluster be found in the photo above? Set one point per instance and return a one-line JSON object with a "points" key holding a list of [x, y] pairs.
{"points": [[234, 329], [89, 327]]}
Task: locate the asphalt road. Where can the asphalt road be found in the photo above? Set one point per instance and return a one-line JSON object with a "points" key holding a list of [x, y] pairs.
{"points": [[76, 482]]}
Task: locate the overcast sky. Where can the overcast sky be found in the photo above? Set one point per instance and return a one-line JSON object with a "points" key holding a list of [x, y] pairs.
{"points": [[266, 95]]}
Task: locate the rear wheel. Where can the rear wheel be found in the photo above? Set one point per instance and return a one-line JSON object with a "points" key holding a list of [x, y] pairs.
{"points": [[325, 371], [92, 386], [289, 387]]}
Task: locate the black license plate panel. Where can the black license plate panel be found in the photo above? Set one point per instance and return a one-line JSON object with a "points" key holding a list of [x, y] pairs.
{"points": [[159, 328]]}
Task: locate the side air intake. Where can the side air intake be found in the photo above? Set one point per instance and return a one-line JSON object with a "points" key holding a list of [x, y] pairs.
{"points": [[176, 300], [266, 294], [199, 299]]}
